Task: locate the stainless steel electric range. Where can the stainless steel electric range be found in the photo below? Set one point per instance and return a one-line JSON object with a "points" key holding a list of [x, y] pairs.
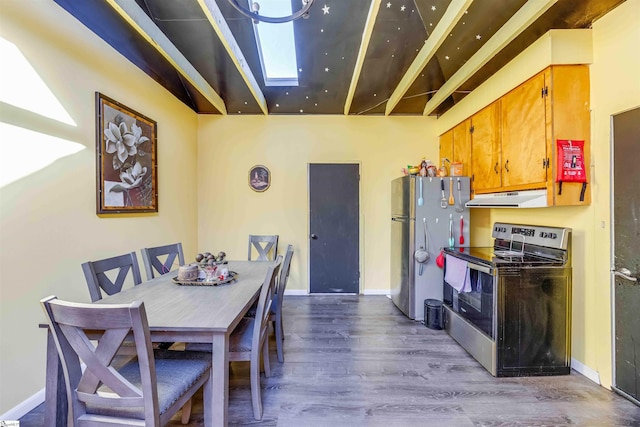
{"points": [[509, 305]]}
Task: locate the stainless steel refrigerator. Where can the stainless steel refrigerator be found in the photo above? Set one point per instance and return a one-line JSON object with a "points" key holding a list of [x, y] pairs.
{"points": [[422, 222]]}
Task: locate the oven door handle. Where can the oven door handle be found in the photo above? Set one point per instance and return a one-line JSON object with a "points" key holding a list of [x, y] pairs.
{"points": [[480, 268]]}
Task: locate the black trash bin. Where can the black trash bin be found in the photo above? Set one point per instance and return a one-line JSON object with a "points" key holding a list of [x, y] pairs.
{"points": [[433, 313]]}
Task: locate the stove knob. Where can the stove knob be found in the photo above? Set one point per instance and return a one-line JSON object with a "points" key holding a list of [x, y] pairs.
{"points": [[543, 234], [553, 235]]}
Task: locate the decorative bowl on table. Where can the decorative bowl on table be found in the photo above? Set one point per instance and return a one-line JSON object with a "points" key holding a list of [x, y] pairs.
{"points": [[188, 272], [207, 258]]}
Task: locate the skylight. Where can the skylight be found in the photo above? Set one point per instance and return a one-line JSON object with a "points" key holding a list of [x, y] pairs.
{"points": [[276, 45]]}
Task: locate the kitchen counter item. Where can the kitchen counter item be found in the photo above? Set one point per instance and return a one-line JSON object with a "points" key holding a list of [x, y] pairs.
{"points": [[451, 199], [459, 205], [456, 169], [452, 241]]}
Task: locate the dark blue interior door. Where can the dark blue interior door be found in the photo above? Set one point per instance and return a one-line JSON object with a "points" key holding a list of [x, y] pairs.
{"points": [[334, 225], [626, 255]]}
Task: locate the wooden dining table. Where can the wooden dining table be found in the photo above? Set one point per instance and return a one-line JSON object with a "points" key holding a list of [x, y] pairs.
{"points": [[179, 313]]}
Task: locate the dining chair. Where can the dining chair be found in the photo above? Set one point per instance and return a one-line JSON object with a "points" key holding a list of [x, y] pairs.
{"points": [[275, 314], [266, 247], [146, 391], [95, 273], [249, 340], [152, 259]]}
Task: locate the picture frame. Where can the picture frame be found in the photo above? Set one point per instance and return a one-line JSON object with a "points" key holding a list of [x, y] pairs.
{"points": [[126, 159], [259, 178]]}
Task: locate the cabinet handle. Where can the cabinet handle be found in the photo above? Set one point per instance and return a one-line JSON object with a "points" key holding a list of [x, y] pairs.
{"points": [[506, 166], [495, 168]]}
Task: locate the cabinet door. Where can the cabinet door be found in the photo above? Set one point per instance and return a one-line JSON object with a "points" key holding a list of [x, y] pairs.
{"points": [[485, 149], [462, 146], [446, 146], [523, 135], [569, 97]]}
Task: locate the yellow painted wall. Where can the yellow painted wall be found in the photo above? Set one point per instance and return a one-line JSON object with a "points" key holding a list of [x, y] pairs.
{"points": [[615, 87], [229, 210], [48, 224]]}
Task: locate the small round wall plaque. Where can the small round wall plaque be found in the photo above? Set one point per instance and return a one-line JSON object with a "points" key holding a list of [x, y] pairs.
{"points": [[259, 178]]}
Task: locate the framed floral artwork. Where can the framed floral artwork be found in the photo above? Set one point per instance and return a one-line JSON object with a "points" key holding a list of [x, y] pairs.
{"points": [[126, 159], [259, 178]]}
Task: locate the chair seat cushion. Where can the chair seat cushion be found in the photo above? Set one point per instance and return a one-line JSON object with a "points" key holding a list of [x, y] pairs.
{"points": [[274, 304], [176, 372], [240, 339]]}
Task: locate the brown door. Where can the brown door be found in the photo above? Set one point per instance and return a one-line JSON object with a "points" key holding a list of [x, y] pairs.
{"points": [[626, 253]]}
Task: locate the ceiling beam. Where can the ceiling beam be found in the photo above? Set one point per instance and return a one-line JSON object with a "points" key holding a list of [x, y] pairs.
{"points": [[442, 30], [364, 46], [219, 25], [519, 22], [135, 16]]}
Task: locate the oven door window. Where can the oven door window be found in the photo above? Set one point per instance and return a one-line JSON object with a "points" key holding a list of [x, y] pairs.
{"points": [[477, 306]]}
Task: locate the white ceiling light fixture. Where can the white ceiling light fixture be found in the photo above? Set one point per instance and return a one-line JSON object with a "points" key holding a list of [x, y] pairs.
{"points": [[254, 14]]}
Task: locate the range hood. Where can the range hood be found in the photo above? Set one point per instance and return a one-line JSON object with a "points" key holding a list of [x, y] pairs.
{"points": [[513, 199]]}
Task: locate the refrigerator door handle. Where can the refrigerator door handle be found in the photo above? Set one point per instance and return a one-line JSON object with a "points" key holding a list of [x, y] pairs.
{"points": [[400, 219]]}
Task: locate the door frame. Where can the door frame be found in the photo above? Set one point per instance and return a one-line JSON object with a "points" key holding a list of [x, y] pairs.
{"points": [[612, 247], [360, 224]]}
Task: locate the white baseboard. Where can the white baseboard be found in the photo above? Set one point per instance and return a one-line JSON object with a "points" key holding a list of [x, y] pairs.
{"points": [[583, 369], [295, 292], [376, 292], [365, 292], [24, 407]]}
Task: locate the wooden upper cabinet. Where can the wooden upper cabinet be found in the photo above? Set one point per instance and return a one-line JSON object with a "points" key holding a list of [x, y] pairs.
{"points": [[462, 146], [568, 118], [446, 147], [486, 169], [524, 149], [455, 145], [513, 142]]}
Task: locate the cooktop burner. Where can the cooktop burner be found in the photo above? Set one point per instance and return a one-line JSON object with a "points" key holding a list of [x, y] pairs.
{"points": [[501, 257], [518, 245]]}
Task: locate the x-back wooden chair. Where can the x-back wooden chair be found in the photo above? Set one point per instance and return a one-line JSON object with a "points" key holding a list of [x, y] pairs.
{"points": [[265, 245], [147, 391], [275, 316], [249, 341], [95, 272], [152, 259]]}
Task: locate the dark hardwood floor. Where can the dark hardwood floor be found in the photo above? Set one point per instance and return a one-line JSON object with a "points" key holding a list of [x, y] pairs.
{"points": [[358, 361]]}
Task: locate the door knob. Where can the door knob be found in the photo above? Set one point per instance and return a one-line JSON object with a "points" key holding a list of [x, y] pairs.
{"points": [[625, 274], [314, 236]]}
